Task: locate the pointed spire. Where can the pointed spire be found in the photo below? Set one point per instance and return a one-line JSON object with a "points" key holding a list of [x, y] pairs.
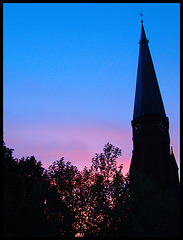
{"points": [[143, 35], [147, 97]]}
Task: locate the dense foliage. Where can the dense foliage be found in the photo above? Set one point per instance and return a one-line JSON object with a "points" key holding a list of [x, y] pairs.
{"points": [[99, 201]]}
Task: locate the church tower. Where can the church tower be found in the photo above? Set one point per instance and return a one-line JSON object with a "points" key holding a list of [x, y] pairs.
{"points": [[151, 141]]}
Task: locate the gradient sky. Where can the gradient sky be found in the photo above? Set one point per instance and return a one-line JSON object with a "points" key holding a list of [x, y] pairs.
{"points": [[70, 75]]}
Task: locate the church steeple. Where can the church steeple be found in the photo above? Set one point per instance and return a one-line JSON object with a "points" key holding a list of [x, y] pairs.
{"points": [[150, 125], [147, 97]]}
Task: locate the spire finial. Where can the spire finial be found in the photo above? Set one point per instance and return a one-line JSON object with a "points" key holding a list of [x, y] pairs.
{"points": [[141, 17]]}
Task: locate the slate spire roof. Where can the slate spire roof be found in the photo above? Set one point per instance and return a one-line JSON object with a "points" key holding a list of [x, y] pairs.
{"points": [[147, 97]]}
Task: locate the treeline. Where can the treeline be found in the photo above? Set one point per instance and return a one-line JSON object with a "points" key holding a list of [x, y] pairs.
{"points": [[96, 202]]}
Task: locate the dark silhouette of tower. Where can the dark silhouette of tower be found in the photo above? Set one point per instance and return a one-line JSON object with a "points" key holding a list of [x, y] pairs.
{"points": [[151, 141]]}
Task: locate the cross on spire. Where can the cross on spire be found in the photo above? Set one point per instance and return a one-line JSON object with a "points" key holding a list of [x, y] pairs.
{"points": [[141, 17]]}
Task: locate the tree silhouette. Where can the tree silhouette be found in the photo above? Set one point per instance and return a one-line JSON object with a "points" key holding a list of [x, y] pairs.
{"points": [[96, 202], [32, 173], [98, 194], [63, 178], [24, 190]]}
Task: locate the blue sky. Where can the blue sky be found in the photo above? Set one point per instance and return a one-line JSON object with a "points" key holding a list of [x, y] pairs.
{"points": [[70, 75]]}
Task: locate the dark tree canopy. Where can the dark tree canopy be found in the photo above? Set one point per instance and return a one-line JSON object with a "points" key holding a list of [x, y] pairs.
{"points": [[96, 202]]}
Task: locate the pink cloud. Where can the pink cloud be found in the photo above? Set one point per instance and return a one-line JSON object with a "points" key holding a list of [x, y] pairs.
{"points": [[77, 144]]}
